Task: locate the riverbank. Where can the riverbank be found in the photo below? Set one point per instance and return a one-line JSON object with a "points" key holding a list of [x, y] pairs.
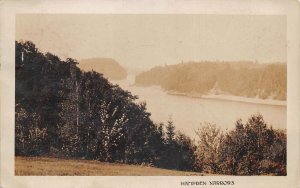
{"points": [[230, 98]]}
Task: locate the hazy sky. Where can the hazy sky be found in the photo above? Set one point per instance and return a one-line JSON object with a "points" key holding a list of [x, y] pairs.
{"points": [[149, 40]]}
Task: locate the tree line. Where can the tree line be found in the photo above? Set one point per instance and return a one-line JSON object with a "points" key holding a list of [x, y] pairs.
{"points": [[61, 111], [246, 79]]}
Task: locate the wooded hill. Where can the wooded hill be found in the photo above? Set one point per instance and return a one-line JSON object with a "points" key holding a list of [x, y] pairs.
{"points": [[64, 112], [110, 68], [245, 79]]}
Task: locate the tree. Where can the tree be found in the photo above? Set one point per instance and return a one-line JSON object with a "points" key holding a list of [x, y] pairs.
{"points": [[210, 138], [170, 133], [250, 149], [186, 151], [232, 150]]}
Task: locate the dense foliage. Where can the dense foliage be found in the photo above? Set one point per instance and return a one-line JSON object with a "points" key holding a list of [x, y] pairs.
{"points": [[234, 78], [252, 148], [64, 112]]}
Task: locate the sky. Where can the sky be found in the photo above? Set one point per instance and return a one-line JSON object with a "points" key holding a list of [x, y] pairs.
{"points": [[145, 41]]}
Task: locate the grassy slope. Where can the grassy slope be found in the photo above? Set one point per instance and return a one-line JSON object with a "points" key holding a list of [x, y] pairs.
{"points": [[32, 166]]}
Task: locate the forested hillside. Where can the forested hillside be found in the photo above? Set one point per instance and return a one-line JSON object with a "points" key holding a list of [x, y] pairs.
{"points": [[63, 112], [245, 79], [110, 68]]}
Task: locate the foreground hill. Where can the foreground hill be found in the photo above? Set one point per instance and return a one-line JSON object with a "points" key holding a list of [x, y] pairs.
{"points": [[31, 166], [110, 68], [246, 79], [64, 112]]}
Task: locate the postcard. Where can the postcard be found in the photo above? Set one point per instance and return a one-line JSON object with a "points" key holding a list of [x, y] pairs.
{"points": [[150, 94]]}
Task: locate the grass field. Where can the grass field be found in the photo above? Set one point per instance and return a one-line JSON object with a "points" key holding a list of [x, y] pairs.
{"points": [[40, 166]]}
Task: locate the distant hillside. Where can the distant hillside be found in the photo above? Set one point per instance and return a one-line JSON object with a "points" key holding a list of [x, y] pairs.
{"points": [[110, 68], [245, 79]]}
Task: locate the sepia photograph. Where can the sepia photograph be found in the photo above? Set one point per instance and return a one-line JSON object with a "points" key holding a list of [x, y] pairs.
{"points": [[150, 95], [136, 94]]}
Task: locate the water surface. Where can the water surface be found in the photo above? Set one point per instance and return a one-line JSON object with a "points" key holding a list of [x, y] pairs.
{"points": [[188, 113]]}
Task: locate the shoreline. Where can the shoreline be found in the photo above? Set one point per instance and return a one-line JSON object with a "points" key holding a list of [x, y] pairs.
{"points": [[223, 97], [230, 98]]}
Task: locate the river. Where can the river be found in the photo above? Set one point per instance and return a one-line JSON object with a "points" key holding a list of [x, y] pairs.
{"points": [[189, 113]]}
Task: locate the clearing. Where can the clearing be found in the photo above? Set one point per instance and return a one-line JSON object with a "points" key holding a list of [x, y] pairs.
{"points": [[44, 166]]}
